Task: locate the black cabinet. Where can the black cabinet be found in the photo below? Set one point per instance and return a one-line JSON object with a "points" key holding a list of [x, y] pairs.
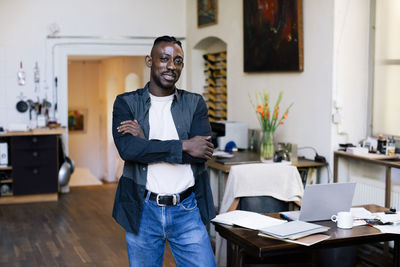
{"points": [[34, 164]]}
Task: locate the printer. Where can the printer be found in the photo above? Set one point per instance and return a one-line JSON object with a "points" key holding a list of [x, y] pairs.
{"points": [[226, 131]]}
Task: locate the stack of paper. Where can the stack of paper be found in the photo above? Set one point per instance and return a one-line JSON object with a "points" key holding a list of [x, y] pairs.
{"points": [[293, 230], [247, 219]]}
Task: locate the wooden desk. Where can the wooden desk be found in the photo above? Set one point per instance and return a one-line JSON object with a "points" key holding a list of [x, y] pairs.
{"points": [[247, 242], [387, 163], [246, 157], [223, 166]]}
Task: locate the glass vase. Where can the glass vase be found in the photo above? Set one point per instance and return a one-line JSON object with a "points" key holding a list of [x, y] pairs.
{"points": [[267, 146]]}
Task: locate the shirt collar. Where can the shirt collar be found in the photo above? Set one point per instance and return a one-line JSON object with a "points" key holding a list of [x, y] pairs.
{"points": [[177, 93]]}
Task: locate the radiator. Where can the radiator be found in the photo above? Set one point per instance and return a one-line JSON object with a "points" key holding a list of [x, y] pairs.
{"points": [[372, 191]]}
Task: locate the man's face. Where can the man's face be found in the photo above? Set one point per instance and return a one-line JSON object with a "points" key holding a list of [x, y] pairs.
{"points": [[166, 63]]}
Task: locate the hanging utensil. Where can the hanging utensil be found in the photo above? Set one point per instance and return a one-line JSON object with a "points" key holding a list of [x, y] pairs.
{"points": [[36, 73], [36, 77], [21, 75], [55, 94], [31, 107], [22, 106]]}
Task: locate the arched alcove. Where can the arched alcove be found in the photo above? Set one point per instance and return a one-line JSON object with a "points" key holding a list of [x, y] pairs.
{"points": [[206, 45], [209, 75], [211, 44]]}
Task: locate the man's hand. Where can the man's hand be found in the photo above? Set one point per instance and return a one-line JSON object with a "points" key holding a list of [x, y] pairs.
{"points": [[198, 147], [131, 127]]}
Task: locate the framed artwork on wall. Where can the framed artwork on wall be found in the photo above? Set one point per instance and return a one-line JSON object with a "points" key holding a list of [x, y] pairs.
{"points": [[77, 119], [273, 35], [206, 12]]}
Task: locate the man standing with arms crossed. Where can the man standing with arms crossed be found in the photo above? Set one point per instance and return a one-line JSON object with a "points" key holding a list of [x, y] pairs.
{"points": [[163, 135]]}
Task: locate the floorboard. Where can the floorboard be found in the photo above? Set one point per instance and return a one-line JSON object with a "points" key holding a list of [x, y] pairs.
{"points": [[77, 230]]}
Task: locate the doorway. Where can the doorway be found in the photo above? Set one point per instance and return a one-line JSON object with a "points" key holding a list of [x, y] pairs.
{"points": [[61, 49], [93, 84]]}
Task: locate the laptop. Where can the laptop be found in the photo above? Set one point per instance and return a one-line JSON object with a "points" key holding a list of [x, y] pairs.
{"points": [[321, 201]]}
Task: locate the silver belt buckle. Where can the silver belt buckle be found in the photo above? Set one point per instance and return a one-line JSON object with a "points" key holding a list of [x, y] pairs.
{"points": [[174, 199]]}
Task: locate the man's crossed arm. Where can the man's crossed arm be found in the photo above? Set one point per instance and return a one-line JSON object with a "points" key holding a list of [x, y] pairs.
{"points": [[198, 146]]}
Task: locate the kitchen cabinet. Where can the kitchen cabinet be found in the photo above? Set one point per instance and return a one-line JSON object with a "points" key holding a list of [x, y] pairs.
{"points": [[32, 171]]}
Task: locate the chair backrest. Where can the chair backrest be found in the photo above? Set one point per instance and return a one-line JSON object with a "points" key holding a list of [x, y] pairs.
{"points": [[263, 204], [262, 187]]}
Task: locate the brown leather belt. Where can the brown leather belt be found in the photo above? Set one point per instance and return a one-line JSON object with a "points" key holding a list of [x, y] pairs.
{"points": [[169, 200]]}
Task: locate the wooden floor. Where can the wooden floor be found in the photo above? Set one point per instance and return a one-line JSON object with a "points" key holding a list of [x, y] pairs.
{"points": [[78, 230]]}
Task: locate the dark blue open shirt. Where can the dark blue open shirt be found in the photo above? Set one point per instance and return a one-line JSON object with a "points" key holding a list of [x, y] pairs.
{"points": [[189, 112]]}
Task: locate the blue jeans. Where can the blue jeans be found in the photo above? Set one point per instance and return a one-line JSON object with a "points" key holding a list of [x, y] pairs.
{"points": [[181, 225]]}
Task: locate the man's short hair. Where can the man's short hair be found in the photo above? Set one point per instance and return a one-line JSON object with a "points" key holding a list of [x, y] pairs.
{"points": [[167, 39]]}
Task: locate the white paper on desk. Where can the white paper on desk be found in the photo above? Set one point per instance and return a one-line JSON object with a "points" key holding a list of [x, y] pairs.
{"points": [[390, 229], [385, 218], [247, 219], [359, 223], [229, 217], [222, 154], [361, 213]]}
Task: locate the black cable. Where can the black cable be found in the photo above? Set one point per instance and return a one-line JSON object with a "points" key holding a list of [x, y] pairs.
{"points": [[329, 173], [317, 157]]}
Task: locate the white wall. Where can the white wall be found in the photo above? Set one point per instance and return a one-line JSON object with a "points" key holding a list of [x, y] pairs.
{"points": [[24, 27], [351, 70], [308, 123]]}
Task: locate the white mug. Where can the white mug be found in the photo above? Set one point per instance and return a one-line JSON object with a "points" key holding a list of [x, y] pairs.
{"points": [[344, 219]]}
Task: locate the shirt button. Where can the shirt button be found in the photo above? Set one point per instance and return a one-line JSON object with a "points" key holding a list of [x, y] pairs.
{"points": [[144, 168]]}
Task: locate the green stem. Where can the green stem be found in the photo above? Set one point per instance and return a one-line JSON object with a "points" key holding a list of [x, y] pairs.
{"points": [[267, 145]]}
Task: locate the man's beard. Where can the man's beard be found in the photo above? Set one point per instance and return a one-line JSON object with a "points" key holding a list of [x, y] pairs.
{"points": [[157, 80]]}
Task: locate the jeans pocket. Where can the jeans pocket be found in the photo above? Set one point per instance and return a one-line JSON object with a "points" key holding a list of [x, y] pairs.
{"points": [[189, 203]]}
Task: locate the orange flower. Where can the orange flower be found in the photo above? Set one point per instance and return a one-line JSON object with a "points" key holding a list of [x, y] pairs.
{"points": [[260, 109], [286, 114], [268, 115]]}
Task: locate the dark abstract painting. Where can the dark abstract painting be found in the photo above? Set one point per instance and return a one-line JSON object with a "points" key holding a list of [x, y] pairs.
{"points": [[273, 37], [206, 12]]}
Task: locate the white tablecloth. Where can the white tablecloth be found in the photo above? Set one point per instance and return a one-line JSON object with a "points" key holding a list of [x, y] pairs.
{"points": [[280, 181]]}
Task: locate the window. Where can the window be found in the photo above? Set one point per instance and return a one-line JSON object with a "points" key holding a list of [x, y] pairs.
{"points": [[386, 86]]}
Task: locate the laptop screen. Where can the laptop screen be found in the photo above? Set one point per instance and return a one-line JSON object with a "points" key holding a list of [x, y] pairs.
{"points": [[321, 201]]}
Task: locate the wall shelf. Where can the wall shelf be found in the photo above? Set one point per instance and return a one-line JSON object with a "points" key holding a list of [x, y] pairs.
{"points": [[215, 89]]}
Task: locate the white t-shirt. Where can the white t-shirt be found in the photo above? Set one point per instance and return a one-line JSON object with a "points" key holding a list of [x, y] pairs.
{"points": [[165, 178]]}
